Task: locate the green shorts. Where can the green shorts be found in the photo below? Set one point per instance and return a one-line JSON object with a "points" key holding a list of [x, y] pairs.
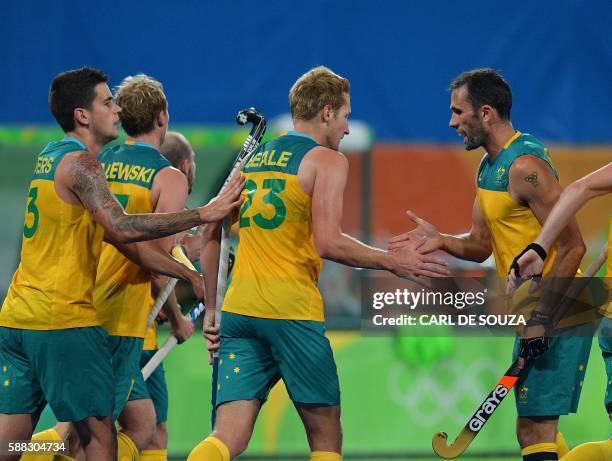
{"points": [[154, 388], [69, 369], [256, 352], [605, 343], [554, 382], [125, 359]]}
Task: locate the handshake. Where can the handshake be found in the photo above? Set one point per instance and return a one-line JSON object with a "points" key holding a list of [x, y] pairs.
{"points": [[410, 251]]}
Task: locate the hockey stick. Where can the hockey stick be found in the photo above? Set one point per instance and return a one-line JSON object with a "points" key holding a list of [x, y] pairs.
{"points": [[163, 351], [507, 382], [171, 342], [250, 115], [164, 293]]}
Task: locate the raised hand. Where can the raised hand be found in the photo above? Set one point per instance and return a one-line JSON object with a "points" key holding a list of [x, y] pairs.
{"points": [[528, 264], [224, 203], [425, 236]]}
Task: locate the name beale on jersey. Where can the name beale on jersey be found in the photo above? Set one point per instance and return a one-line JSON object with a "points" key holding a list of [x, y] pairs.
{"points": [[277, 266]]}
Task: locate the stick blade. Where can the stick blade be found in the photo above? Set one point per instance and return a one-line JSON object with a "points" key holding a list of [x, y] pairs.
{"points": [[455, 449]]}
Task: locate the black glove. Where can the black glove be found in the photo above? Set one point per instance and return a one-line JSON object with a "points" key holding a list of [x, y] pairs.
{"points": [[532, 246], [532, 348]]}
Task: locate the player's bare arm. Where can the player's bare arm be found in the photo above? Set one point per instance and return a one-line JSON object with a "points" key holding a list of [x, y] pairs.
{"points": [[209, 258], [153, 258], [572, 199], [210, 249], [180, 327], [328, 183], [89, 185], [169, 195], [474, 245], [80, 175], [148, 254], [532, 183]]}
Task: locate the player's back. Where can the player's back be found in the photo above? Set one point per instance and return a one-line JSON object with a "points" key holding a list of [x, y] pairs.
{"points": [[52, 287], [123, 290], [277, 266]]}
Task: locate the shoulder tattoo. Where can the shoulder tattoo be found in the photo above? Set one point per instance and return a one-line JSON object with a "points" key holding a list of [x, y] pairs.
{"points": [[90, 185], [532, 178]]}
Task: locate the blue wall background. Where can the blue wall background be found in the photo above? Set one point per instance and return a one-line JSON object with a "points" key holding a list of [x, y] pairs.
{"points": [[215, 58]]}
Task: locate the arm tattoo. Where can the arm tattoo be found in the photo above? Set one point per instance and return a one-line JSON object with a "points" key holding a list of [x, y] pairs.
{"points": [[532, 179], [156, 225], [89, 184]]}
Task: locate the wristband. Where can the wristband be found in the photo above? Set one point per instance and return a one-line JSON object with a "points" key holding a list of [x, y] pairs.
{"points": [[532, 246], [539, 249], [538, 318]]}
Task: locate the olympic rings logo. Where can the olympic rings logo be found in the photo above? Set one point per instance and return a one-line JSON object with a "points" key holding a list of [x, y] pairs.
{"points": [[437, 396]]}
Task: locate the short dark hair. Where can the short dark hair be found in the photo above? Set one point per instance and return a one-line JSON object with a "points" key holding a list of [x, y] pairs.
{"points": [[70, 90], [486, 86]]}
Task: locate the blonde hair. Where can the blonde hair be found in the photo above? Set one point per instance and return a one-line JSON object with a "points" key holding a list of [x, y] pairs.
{"points": [[316, 89], [141, 99]]}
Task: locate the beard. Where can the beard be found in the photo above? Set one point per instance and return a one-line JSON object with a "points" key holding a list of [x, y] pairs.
{"points": [[477, 138]]}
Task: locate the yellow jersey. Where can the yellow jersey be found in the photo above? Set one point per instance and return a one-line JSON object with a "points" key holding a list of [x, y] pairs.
{"points": [[609, 270], [122, 293], [277, 266], [513, 226], [52, 287], [608, 311], [150, 339]]}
